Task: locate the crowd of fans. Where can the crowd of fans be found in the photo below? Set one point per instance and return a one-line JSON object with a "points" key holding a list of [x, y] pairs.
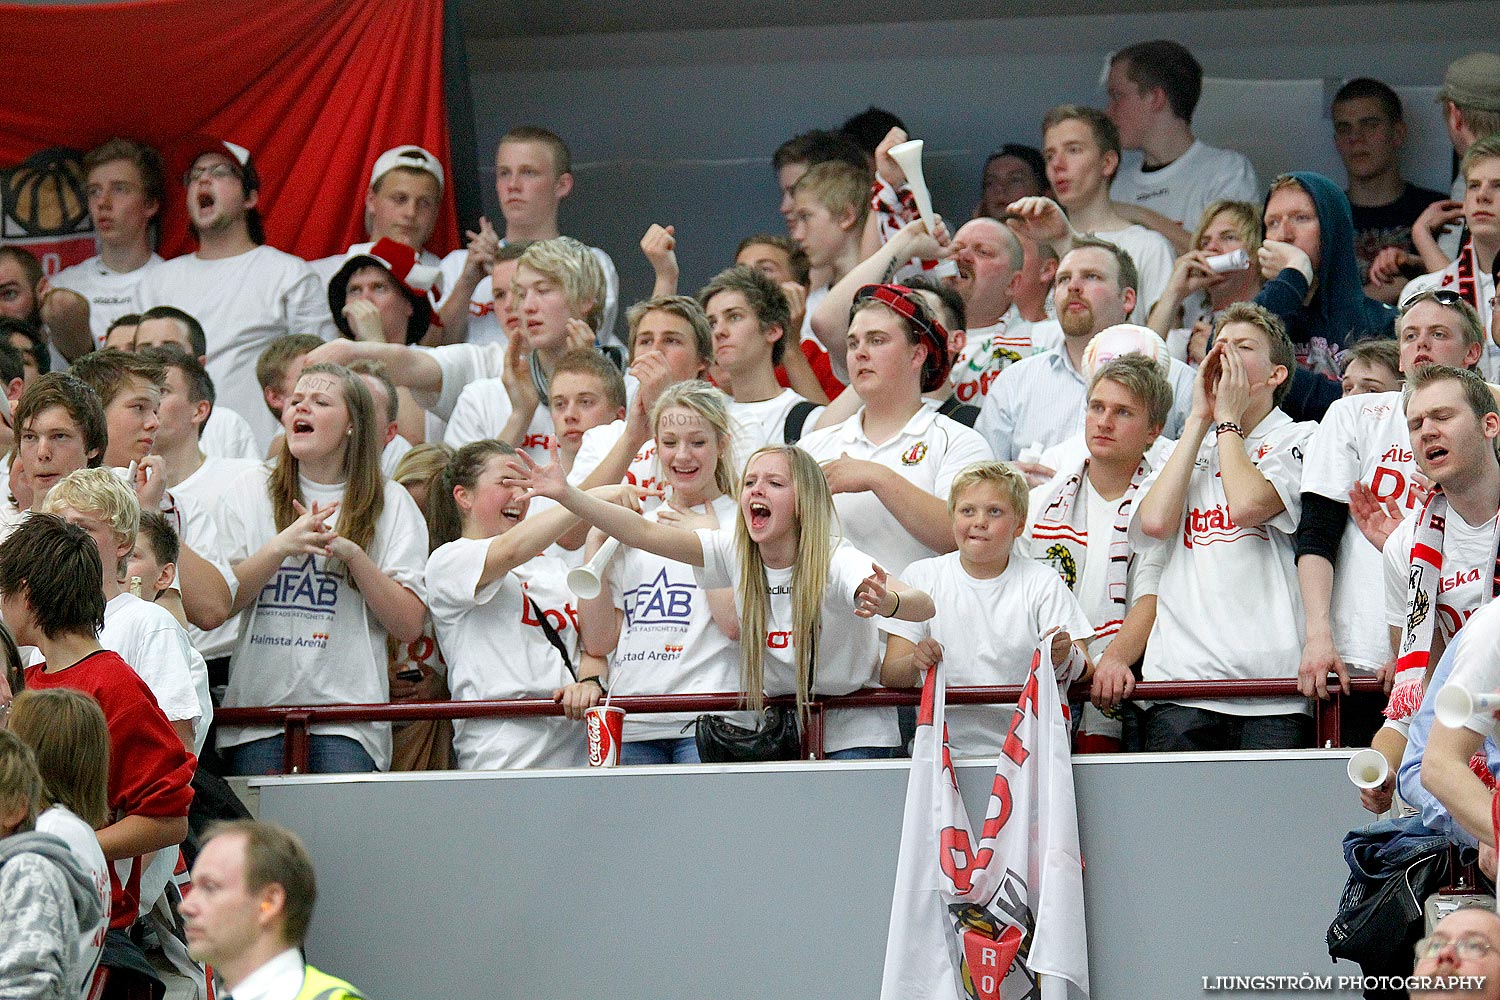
{"points": [[1172, 422]]}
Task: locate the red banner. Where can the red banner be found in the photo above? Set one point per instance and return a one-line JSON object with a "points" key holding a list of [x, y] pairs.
{"points": [[316, 90]]}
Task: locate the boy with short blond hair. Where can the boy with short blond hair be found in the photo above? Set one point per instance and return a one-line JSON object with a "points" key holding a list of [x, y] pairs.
{"points": [[995, 608], [831, 202]]}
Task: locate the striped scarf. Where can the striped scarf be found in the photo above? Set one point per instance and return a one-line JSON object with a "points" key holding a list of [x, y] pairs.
{"points": [[1063, 529], [1424, 572]]}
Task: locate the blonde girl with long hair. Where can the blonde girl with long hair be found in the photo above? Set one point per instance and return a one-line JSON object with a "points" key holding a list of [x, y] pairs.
{"points": [[805, 597], [328, 555], [664, 634]]}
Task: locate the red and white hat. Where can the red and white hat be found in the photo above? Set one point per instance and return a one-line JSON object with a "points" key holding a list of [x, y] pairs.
{"points": [[413, 279], [410, 157]]}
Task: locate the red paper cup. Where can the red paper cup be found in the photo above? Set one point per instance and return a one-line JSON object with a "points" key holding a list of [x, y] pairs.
{"points": [[606, 727]]}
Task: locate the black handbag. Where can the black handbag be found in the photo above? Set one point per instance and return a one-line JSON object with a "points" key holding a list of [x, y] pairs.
{"points": [[722, 742]]}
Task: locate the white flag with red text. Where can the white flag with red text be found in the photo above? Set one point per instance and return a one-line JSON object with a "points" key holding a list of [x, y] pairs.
{"points": [[1000, 918]]}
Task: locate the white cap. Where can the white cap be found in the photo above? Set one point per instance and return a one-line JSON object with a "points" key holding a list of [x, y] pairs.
{"points": [[412, 157]]}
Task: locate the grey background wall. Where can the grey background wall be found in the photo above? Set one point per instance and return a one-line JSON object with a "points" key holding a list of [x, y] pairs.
{"points": [[678, 125], [774, 881]]}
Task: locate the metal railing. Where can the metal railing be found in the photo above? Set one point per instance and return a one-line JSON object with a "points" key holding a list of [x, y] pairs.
{"points": [[296, 721]]}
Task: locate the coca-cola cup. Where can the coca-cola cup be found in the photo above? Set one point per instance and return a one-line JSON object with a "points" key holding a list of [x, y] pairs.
{"points": [[606, 727]]}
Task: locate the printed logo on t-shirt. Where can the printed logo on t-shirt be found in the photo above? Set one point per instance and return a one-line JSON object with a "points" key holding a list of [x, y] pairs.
{"points": [[914, 454], [660, 602], [1392, 483], [481, 308], [779, 640], [301, 588], [541, 442], [558, 618], [1212, 525]]}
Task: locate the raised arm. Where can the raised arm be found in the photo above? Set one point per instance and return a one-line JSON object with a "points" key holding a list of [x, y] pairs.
{"points": [[407, 366], [626, 525], [1161, 509]]}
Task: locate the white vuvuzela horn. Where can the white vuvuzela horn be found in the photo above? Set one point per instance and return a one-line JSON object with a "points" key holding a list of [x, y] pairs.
{"points": [[1454, 706], [587, 581], [1369, 768], [908, 156]]}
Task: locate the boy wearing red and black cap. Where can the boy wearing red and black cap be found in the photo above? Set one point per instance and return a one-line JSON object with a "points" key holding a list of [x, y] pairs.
{"points": [[380, 294], [891, 465], [244, 293]]}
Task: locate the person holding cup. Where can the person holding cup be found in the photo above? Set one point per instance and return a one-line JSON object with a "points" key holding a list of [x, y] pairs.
{"points": [[504, 619], [664, 633]]}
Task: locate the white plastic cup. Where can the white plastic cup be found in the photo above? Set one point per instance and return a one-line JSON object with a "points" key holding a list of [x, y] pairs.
{"points": [[1369, 768]]}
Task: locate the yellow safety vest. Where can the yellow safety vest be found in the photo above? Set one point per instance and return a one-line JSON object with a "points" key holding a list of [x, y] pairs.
{"points": [[321, 986]]}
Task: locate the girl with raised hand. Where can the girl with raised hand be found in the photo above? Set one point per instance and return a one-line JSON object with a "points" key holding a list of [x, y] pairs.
{"points": [[663, 632], [805, 597], [328, 554], [505, 620]]}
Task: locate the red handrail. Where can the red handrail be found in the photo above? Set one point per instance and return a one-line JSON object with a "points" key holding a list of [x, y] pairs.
{"points": [[295, 720]]}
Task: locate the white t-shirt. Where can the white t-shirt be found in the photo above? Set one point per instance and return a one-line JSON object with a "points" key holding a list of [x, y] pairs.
{"points": [[390, 456], [1153, 258], [149, 639], [226, 434], [1467, 576], [1228, 606], [989, 350], [988, 630], [482, 410], [460, 364], [205, 489], [928, 452], [1476, 665], [484, 324], [496, 648], [669, 642], [1184, 188], [1361, 439], [244, 302], [309, 638], [848, 655], [110, 293], [761, 423], [644, 470], [1090, 584], [65, 825]]}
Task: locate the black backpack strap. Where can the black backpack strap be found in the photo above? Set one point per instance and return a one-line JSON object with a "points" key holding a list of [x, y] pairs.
{"points": [[796, 418], [963, 413], [553, 637]]}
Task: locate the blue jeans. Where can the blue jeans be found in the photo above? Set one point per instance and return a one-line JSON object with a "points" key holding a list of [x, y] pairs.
{"points": [[325, 755], [866, 753], [1167, 727], [667, 750]]}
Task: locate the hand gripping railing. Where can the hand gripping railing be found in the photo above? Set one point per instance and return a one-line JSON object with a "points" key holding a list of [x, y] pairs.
{"points": [[295, 721]]}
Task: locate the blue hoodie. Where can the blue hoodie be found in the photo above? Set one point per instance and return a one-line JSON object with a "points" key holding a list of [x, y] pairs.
{"points": [[1340, 314]]}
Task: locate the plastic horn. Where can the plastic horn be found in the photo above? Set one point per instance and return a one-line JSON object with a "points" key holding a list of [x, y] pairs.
{"points": [[908, 156], [1455, 706], [1369, 768], [587, 581]]}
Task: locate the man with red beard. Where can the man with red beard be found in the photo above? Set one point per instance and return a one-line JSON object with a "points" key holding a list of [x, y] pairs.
{"points": [[1039, 401]]}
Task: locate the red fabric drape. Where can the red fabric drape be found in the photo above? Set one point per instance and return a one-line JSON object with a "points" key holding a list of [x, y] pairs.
{"points": [[315, 89]]}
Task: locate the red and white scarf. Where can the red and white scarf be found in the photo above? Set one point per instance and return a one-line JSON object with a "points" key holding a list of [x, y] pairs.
{"points": [[1062, 536], [1424, 572]]}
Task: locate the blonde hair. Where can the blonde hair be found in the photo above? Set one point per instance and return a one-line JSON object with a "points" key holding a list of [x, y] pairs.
{"points": [[364, 484], [99, 492], [574, 266], [1009, 480], [1246, 217], [67, 733], [710, 404], [422, 463], [839, 187], [20, 783], [816, 522]]}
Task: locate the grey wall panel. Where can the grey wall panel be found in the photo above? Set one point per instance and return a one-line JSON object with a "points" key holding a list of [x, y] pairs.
{"points": [[775, 882]]}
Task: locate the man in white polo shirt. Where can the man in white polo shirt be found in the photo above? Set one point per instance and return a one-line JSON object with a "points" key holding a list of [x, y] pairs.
{"points": [[245, 294]]}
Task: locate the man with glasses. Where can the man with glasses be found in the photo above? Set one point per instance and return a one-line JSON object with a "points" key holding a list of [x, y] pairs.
{"points": [[244, 293], [1464, 944]]}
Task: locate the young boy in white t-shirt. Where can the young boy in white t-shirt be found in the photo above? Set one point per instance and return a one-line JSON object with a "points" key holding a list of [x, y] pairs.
{"points": [[993, 609], [1220, 516]]}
